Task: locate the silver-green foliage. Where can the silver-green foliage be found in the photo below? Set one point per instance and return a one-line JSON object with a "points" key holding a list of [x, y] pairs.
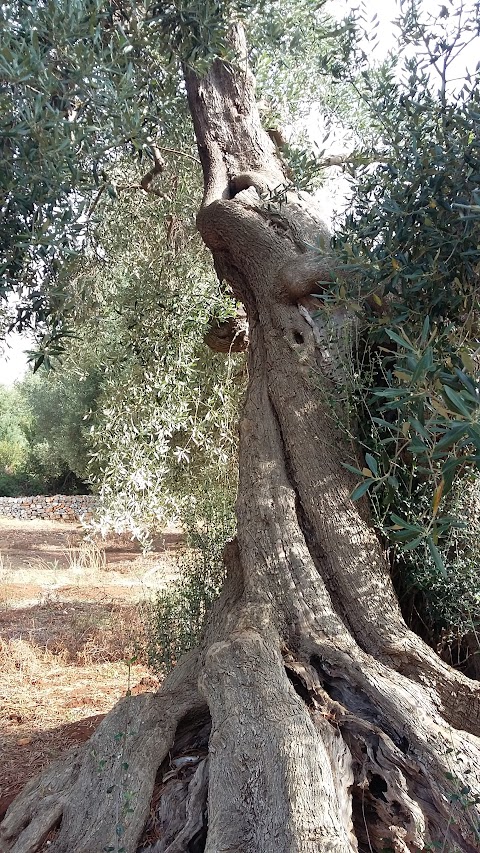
{"points": [[84, 82], [73, 94], [166, 407]]}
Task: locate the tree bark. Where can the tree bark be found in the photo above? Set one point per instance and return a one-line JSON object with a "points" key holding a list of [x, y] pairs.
{"points": [[321, 721]]}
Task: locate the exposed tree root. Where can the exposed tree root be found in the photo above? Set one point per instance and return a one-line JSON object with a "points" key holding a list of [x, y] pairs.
{"points": [[100, 795], [274, 784], [39, 807], [314, 746], [408, 773]]}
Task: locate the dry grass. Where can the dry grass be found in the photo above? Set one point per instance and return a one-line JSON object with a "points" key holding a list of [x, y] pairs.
{"points": [[47, 705], [41, 690], [58, 679], [76, 632], [69, 622]]}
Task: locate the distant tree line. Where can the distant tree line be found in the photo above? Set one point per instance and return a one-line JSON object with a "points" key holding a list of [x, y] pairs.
{"points": [[43, 444]]}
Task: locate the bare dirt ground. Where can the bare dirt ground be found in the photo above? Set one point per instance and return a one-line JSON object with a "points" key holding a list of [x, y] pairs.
{"points": [[70, 627]]}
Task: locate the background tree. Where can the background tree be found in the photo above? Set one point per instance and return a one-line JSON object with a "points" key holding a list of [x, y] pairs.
{"points": [[14, 420], [43, 445], [318, 719]]}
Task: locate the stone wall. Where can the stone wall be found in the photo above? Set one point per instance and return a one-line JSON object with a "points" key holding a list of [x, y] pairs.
{"points": [[57, 507]]}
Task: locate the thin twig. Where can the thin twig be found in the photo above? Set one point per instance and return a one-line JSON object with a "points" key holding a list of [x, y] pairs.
{"points": [[349, 159], [97, 198], [180, 153], [157, 169], [158, 193]]}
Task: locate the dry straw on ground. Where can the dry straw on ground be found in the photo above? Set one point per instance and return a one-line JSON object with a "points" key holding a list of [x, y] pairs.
{"points": [[69, 630]]}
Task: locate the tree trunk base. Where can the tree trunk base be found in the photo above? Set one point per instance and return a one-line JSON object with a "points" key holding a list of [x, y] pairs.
{"points": [[254, 747], [97, 799]]}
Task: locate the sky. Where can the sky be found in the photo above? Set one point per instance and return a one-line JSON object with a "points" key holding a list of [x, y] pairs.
{"points": [[13, 363]]}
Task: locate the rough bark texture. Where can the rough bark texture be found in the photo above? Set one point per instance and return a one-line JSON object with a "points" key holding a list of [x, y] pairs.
{"points": [[330, 725], [228, 336]]}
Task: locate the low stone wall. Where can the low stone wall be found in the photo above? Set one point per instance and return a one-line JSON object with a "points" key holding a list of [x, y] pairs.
{"points": [[56, 507]]}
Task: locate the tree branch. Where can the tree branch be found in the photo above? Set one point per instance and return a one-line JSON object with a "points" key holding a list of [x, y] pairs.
{"points": [[349, 159], [180, 153], [157, 169]]}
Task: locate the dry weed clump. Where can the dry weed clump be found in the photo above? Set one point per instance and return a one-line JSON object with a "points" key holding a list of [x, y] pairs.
{"points": [[23, 668], [21, 657], [88, 559], [103, 634], [81, 633]]}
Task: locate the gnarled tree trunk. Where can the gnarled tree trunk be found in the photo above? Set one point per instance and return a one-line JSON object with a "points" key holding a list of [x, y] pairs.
{"points": [[310, 718]]}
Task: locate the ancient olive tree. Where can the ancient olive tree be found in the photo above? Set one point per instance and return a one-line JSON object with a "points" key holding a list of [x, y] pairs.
{"points": [[309, 718]]}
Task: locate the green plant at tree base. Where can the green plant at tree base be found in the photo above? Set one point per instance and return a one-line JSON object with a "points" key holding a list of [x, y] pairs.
{"points": [[175, 619]]}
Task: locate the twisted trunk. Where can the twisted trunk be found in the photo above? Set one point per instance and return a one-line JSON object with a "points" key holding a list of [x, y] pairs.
{"points": [[320, 721]]}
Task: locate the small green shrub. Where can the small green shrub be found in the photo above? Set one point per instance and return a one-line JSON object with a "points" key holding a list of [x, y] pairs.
{"points": [[174, 621]]}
